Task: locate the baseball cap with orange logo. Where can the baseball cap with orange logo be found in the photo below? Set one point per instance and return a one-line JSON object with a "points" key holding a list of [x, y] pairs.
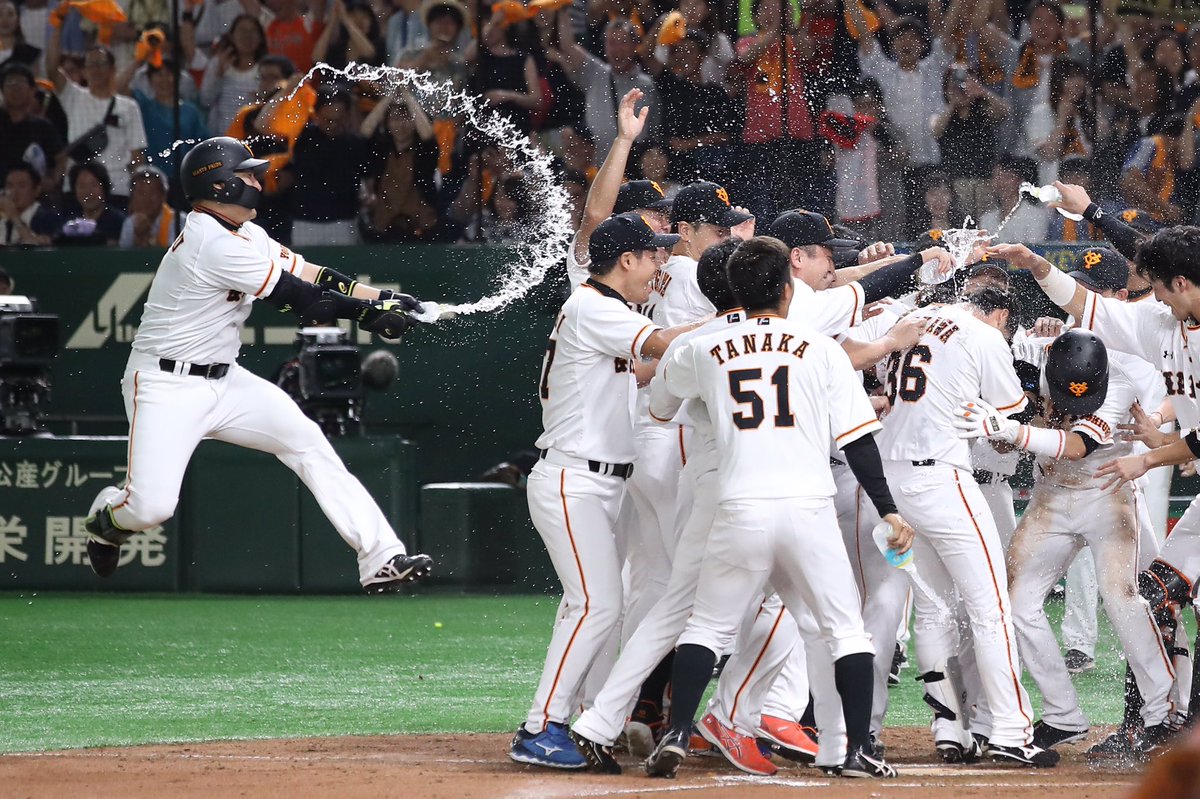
{"points": [[705, 201], [626, 233], [800, 228], [638, 194], [1101, 269]]}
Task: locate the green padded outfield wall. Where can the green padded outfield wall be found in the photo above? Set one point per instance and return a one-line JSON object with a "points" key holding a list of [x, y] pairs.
{"points": [[467, 389]]}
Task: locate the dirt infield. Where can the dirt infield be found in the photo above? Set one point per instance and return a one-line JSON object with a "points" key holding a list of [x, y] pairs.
{"points": [[477, 767]]}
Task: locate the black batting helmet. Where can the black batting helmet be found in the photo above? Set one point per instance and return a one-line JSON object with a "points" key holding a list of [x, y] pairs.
{"points": [[207, 172], [1077, 372]]}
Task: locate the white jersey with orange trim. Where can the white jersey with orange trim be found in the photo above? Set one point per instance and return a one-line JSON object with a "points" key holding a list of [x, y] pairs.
{"points": [[578, 274], [780, 397], [831, 311], [683, 302], [1101, 427], [197, 305], [958, 358], [587, 378], [1150, 331]]}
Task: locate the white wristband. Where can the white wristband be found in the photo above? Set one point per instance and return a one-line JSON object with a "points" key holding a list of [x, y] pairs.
{"points": [[1058, 287], [1039, 440]]}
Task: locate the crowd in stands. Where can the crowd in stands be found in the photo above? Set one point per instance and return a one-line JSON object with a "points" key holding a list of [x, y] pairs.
{"points": [[890, 116]]}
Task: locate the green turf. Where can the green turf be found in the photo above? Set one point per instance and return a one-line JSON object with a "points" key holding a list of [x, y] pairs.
{"points": [[84, 670]]}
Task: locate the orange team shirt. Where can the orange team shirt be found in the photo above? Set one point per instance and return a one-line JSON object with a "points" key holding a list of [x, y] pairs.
{"points": [[294, 38], [288, 123]]}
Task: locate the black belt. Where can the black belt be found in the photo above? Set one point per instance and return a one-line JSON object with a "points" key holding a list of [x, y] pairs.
{"points": [[622, 470], [209, 371], [984, 477], [836, 462], [929, 462]]}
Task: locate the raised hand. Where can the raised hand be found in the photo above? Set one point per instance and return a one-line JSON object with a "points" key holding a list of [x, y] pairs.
{"points": [[1142, 429], [1075, 199], [630, 121]]}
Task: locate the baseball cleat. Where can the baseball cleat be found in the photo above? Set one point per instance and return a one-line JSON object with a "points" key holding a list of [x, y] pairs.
{"points": [[788, 739], [1124, 742], [1048, 737], [861, 763], [1078, 662], [982, 743], [103, 556], [699, 745], [646, 725], [397, 572], [670, 752], [899, 661], [954, 752], [599, 757], [740, 750], [551, 748], [1033, 756]]}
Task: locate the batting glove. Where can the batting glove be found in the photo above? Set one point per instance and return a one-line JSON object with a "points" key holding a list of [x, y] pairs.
{"points": [[385, 317], [977, 419]]}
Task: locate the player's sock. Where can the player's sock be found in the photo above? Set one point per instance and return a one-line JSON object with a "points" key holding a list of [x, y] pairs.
{"points": [[689, 677], [809, 717], [855, 678], [656, 684], [1133, 702]]}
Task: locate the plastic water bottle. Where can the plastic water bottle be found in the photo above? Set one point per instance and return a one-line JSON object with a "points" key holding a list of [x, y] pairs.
{"points": [[1049, 194], [898, 560]]}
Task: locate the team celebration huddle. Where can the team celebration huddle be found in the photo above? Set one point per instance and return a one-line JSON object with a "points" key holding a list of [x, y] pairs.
{"points": [[768, 447]]}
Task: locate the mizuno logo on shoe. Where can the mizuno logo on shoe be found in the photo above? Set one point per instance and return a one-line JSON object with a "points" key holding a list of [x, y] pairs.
{"points": [[549, 750]]}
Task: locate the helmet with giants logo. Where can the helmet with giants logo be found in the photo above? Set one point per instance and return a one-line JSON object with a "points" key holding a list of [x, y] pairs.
{"points": [[1077, 372], [208, 172]]}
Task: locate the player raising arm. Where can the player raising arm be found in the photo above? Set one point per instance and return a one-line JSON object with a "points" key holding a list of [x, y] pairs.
{"points": [[183, 384]]}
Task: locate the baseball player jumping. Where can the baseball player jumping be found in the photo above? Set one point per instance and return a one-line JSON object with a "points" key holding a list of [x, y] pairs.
{"points": [[183, 384]]}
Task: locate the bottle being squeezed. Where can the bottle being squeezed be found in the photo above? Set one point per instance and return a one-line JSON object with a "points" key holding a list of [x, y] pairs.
{"points": [[1049, 194]]}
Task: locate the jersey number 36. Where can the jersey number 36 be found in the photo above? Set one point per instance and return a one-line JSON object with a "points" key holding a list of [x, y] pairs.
{"points": [[906, 374]]}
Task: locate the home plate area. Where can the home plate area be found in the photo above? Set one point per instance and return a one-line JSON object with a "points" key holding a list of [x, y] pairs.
{"points": [[477, 767]]}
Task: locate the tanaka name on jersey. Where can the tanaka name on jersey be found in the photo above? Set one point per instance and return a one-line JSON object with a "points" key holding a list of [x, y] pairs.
{"points": [[758, 342]]}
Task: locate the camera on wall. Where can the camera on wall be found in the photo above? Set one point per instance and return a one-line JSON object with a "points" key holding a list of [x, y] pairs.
{"points": [[328, 378], [29, 341]]}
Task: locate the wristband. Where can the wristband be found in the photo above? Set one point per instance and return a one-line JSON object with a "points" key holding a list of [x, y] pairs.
{"points": [[1093, 212], [1193, 443], [1058, 287], [1040, 440]]}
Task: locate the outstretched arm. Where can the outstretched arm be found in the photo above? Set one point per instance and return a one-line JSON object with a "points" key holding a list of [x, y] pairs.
{"points": [[602, 197], [1061, 290]]}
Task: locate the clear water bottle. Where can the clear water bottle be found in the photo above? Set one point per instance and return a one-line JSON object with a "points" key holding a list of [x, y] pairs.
{"points": [[898, 560], [1049, 194]]}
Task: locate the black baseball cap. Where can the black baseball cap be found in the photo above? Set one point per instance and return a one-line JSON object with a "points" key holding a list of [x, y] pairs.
{"points": [[626, 233], [1139, 220], [705, 201], [640, 194], [995, 266], [1101, 269], [800, 228]]}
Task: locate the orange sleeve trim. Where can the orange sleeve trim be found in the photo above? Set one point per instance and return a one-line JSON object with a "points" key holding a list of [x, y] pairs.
{"points": [[270, 272], [854, 310], [664, 421], [1012, 406], [633, 349], [854, 430], [1094, 298]]}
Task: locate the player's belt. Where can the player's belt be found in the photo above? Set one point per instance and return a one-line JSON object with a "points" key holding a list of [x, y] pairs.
{"points": [[927, 462], [622, 470], [209, 371]]}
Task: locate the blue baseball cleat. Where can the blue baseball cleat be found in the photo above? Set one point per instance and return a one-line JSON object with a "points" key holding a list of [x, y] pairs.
{"points": [[550, 748]]}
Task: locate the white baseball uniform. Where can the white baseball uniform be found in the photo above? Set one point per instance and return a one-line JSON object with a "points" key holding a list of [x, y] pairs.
{"points": [[1150, 331], [658, 631], [575, 489], [778, 394], [957, 551], [198, 303], [1070, 510]]}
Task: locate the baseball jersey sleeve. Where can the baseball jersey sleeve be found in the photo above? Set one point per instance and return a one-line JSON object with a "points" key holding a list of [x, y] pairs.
{"points": [[684, 304], [609, 326], [836, 310], [234, 262], [577, 270], [999, 385], [663, 404], [851, 415], [1132, 327], [679, 375]]}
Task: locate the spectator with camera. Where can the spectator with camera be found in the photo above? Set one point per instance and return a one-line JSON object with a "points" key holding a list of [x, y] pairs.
{"points": [[231, 77], [968, 135], [151, 222], [24, 218], [402, 189], [328, 162], [90, 217], [352, 34], [102, 125], [1059, 128]]}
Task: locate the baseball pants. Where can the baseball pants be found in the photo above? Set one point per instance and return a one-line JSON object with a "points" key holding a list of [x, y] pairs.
{"points": [[958, 554], [575, 512], [1055, 526], [789, 543], [1079, 630], [660, 628], [170, 414], [999, 497]]}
